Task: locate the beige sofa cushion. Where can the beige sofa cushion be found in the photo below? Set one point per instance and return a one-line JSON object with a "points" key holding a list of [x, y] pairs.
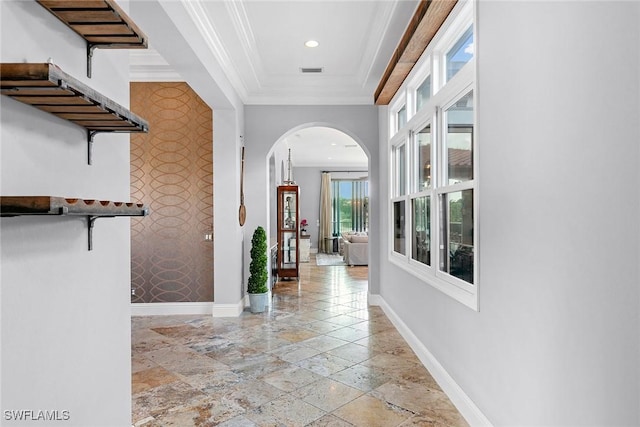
{"points": [[359, 239]]}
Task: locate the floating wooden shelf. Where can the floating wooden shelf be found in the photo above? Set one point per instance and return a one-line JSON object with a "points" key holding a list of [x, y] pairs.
{"points": [[100, 22], [48, 205], [48, 88]]}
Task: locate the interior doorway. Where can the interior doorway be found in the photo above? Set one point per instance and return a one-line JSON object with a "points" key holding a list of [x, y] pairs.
{"points": [[315, 150]]}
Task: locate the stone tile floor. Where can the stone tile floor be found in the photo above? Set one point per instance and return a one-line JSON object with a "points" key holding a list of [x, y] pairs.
{"points": [[319, 357]]}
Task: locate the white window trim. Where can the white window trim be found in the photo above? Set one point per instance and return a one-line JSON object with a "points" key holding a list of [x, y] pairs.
{"points": [[444, 94]]}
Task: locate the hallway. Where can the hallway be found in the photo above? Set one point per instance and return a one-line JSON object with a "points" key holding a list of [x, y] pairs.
{"points": [[319, 357]]}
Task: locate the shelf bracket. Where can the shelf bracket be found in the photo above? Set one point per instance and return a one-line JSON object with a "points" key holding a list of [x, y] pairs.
{"points": [[91, 219], [90, 48], [90, 135]]}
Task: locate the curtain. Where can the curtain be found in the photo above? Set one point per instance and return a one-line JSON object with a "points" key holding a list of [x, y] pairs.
{"points": [[325, 245]]}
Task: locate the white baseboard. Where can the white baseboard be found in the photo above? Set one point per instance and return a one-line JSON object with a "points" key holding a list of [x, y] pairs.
{"points": [[177, 308], [168, 308], [228, 310], [462, 402], [374, 299]]}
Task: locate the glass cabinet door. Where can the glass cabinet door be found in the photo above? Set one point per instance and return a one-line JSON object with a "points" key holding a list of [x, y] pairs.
{"points": [[289, 210], [288, 231], [289, 245]]}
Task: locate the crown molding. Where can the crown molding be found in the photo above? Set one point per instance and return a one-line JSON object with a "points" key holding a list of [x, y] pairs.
{"points": [[379, 28], [240, 20], [201, 20]]}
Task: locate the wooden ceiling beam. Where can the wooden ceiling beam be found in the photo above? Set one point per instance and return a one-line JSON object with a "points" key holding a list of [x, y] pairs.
{"points": [[424, 24]]}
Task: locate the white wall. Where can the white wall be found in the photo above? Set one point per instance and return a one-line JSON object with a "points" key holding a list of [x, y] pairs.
{"points": [[556, 341], [266, 125], [227, 233], [65, 311]]}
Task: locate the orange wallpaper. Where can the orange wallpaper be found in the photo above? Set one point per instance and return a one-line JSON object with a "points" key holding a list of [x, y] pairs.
{"points": [[172, 172]]}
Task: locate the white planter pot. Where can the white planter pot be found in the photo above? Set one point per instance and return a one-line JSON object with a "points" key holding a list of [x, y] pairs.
{"points": [[258, 302]]}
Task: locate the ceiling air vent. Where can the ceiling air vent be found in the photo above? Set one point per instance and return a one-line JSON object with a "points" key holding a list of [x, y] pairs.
{"points": [[316, 70]]}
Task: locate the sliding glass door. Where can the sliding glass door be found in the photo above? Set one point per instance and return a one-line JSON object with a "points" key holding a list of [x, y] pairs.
{"points": [[350, 205]]}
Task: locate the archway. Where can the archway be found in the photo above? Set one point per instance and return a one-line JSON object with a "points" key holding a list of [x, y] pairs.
{"points": [[322, 147]]}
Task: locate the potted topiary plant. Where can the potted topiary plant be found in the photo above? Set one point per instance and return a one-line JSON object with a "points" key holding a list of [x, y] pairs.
{"points": [[257, 286]]}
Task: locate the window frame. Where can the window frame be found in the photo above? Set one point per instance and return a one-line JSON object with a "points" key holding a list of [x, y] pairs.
{"points": [[444, 94]]}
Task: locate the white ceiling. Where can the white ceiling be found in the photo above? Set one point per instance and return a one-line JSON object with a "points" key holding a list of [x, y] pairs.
{"points": [[265, 43], [259, 45], [324, 147]]}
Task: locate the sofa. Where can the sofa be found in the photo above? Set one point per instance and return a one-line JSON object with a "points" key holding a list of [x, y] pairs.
{"points": [[355, 248]]}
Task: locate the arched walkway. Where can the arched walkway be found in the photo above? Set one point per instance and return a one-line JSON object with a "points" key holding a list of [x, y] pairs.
{"points": [[315, 148]]}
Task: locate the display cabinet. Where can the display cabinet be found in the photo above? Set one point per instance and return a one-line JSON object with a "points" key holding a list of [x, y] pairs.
{"points": [[288, 232]]}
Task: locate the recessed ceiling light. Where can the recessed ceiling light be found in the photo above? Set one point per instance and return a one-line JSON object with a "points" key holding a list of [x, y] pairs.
{"points": [[311, 43]]}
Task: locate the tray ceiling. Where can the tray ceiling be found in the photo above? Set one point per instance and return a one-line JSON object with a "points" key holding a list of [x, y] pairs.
{"points": [[260, 46]]}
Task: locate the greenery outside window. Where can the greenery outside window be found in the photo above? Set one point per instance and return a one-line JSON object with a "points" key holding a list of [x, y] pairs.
{"points": [[350, 205]]}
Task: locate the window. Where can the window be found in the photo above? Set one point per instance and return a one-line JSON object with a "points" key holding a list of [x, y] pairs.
{"points": [[399, 159], [459, 140], [456, 258], [423, 158], [398, 232], [350, 205], [400, 170], [401, 117], [421, 220], [460, 54], [433, 172], [423, 93]]}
